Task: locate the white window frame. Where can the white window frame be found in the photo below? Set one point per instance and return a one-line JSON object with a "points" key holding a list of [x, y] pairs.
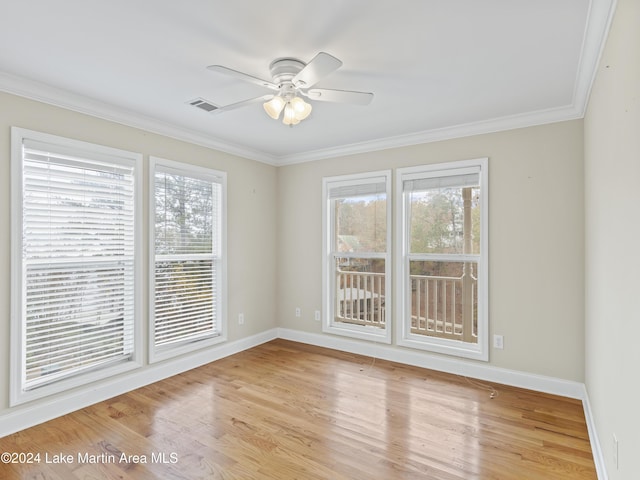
{"points": [[18, 394], [329, 325], [160, 353], [479, 350]]}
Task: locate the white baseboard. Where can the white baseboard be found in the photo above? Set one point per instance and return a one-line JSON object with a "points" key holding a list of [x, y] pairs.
{"points": [[30, 415], [596, 449], [539, 383], [27, 416], [467, 368]]}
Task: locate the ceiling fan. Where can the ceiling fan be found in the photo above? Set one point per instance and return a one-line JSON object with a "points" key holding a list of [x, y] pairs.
{"points": [[292, 79]]}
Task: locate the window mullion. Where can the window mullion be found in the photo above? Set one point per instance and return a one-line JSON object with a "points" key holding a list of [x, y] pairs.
{"points": [[439, 257]]}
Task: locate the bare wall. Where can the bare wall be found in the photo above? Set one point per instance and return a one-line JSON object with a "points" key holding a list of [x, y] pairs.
{"points": [[274, 235], [612, 197], [536, 239]]}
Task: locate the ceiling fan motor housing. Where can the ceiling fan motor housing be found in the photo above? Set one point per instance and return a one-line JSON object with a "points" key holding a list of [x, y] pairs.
{"points": [[284, 69]]}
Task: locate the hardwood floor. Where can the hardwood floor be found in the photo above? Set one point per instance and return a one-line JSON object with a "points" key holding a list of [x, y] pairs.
{"points": [[284, 410]]}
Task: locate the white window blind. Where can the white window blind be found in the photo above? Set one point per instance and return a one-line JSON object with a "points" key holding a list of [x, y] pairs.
{"points": [[187, 262], [436, 182], [366, 187], [77, 262]]}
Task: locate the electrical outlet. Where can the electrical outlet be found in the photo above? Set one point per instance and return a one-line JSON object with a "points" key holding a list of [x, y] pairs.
{"points": [[317, 316], [241, 319], [498, 342], [615, 451], [298, 312]]}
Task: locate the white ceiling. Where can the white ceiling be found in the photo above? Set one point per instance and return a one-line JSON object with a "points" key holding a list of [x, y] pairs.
{"points": [[438, 69]]}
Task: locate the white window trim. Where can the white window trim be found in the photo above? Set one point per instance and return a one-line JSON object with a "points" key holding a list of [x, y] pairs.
{"points": [[329, 325], [17, 394], [479, 351], [164, 353]]}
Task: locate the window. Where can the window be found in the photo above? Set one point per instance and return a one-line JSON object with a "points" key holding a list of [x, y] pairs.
{"points": [[74, 268], [356, 250], [443, 269], [188, 258]]}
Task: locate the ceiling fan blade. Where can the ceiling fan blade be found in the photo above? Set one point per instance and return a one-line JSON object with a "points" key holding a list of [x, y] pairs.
{"points": [[244, 103], [320, 66], [339, 96], [242, 76]]}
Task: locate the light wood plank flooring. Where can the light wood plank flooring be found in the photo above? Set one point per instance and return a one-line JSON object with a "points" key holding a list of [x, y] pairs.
{"points": [[290, 411]]}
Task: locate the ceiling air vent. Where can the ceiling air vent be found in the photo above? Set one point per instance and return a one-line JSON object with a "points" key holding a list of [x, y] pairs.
{"points": [[203, 104]]}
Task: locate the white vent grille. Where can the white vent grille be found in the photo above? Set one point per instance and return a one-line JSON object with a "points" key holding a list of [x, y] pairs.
{"points": [[203, 104]]}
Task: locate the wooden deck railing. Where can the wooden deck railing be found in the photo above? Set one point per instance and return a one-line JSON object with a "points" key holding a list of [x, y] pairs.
{"points": [[439, 307], [438, 304], [360, 298]]}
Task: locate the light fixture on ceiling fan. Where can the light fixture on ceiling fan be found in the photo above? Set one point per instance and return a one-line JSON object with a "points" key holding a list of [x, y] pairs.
{"points": [[292, 79], [294, 107]]}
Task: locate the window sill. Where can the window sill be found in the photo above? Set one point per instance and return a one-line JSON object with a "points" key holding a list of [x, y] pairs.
{"points": [[446, 347], [168, 352], [372, 334]]}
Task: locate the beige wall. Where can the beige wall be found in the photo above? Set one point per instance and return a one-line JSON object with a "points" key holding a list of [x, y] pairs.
{"points": [[612, 198], [274, 235], [536, 239], [251, 211]]}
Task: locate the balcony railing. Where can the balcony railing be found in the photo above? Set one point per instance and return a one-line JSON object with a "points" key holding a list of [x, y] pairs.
{"points": [[444, 307], [360, 298]]}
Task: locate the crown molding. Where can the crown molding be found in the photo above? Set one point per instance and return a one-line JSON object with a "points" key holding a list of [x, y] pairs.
{"points": [[510, 122], [71, 101], [58, 97], [599, 20]]}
